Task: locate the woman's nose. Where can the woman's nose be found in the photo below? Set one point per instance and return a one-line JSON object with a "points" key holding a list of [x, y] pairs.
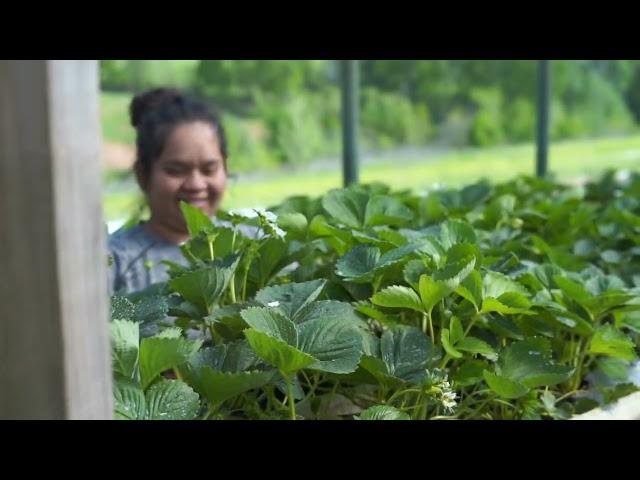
{"points": [[195, 181]]}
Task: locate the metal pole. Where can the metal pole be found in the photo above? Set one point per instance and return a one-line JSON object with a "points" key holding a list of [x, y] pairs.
{"points": [[350, 104], [542, 133]]}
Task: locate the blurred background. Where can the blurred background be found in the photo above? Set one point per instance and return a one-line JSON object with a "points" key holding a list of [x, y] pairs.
{"points": [[423, 123]]}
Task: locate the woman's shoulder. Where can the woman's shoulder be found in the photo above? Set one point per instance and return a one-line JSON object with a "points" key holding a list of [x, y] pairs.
{"points": [[126, 239]]}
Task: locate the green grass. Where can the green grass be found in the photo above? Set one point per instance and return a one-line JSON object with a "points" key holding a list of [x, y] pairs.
{"points": [[567, 160]]}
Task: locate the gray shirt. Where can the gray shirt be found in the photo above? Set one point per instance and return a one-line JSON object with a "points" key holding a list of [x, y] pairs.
{"points": [[137, 254]]}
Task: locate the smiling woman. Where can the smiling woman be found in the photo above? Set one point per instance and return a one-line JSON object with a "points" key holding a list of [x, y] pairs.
{"points": [[180, 156]]}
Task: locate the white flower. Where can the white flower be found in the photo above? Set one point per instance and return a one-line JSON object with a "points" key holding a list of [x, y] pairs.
{"points": [[448, 400], [274, 304]]}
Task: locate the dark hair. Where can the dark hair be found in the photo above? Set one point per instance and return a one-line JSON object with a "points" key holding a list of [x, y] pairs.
{"points": [[155, 115]]}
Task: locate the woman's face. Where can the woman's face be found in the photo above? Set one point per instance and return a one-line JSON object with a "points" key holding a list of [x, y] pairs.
{"points": [[190, 169]]}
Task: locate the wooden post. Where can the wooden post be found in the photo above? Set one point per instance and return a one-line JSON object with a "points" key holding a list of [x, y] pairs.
{"points": [[54, 344]]}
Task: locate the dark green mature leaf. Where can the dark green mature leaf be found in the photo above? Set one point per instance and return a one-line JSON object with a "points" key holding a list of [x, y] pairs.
{"points": [[217, 386], [529, 363], [272, 257], [122, 308], [171, 400], [386, 210], [406, 352], [412, 272], [281, 355], [456, 231], [346, 206], [129, 401], [291, 297], [271, 322], [205, 286], [335, 345], [359, 263]]}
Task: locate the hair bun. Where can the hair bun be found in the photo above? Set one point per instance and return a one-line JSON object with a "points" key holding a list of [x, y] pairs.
{"points": [[149, 101]]}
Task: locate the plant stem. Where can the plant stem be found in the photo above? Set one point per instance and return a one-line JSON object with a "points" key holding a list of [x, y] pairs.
{"points": [[292, 401]]}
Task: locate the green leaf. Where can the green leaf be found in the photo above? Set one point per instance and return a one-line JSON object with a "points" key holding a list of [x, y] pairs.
{"points": [[358, 264], [508, 303], [226, 357], [196, 220], [503, 386], [630, 320], [456, 231], [326, 310], [171, 400], [454, 273], [379, 371], [385, 210], [398, 297], [455, 330], [217, 386], [125, 341], [529, 363], [122, 308], [470, 373], [271, 322], [406, 352], [610, 341], [433, 248], [573, 290], [272, 257], [383, 412], [367, 309], [347, 206], [203, 287], [275, 352], [471, 289], [432, 291], [611, 256], [495, 284], [396, 255], [151, 309], [446, 344], [129, 401], [475, 345], [337, 237], [160, 354], [412, 272], [292, 297], [335, 345], [295, 224]]}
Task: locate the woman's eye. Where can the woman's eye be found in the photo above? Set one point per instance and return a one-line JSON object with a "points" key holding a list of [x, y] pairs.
{"points": [[210, 171]]}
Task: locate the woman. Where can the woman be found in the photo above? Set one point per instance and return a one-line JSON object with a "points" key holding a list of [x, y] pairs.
{"points": [[181, 156]]}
